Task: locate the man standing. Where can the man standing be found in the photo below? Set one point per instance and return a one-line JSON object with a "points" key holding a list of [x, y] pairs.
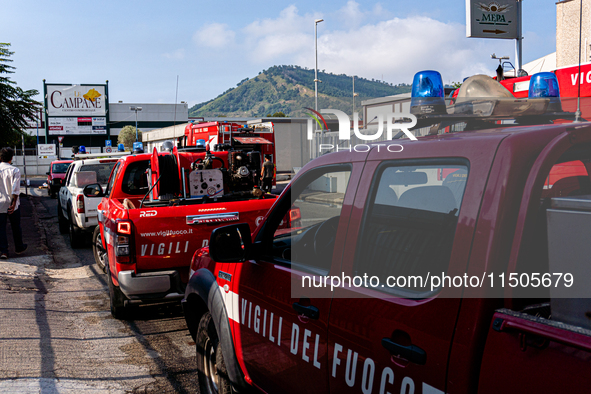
{"points": [[267, 175], [10, 188]]}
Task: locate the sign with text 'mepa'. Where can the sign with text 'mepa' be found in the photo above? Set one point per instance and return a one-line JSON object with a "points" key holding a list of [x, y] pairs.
{"points": [[492, 19]]}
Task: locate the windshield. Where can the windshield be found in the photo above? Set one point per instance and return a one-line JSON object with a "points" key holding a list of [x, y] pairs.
{"points": [[102, 171], [60, 168]]}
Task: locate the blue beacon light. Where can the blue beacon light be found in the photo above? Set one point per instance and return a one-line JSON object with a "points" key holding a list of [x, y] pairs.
{"points": [[427, 93], [545, 85], [138, 147], [82, 149], [200, 144], [121, 148]]}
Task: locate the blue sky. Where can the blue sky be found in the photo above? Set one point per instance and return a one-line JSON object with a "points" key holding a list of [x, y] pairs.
{"points": [[141, 46]]}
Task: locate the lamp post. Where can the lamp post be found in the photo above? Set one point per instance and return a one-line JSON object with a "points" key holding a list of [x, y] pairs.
{"points": [[354, 95], [316, 22], [136, 109]]}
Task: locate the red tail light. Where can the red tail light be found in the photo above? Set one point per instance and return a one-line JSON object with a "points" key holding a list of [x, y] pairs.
{"points": [[123, 241], [80, 203], [295, 214], [124, 227]]}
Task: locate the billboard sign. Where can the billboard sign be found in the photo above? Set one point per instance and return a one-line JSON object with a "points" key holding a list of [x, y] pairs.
{"points": [[76, 100], [77, 125], [492, 19]]}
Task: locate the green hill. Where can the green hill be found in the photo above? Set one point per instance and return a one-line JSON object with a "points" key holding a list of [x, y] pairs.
{"points": [[289, 89]]}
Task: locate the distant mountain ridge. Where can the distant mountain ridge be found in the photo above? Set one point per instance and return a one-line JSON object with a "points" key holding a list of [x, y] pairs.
{"points": [[289, 89]]}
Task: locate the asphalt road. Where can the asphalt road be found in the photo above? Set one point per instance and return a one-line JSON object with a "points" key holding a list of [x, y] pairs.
{"points": [[56, 331]]}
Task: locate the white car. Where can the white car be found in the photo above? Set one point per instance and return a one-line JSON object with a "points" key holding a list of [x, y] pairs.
{"points": [[76, 210]]}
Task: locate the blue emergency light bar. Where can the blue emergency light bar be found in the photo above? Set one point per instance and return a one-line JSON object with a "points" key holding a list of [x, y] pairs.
{"points": [[544, 84], [200, 144], [121, 148], [82, 149], [138, 147], [427, 93]]}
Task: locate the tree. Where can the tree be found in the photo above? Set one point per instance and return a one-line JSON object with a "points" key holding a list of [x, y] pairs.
{"points": [[14, 139], [16, 105], [127, 136], [276, 115]]}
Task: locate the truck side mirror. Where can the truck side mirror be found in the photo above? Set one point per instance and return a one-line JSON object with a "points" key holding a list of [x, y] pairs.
{"points": [[93, 190], [47, 172], [231, 243]]}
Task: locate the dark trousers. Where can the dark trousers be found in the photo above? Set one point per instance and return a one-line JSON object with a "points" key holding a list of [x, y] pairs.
{"points": [[17, 232], [267, 184]]}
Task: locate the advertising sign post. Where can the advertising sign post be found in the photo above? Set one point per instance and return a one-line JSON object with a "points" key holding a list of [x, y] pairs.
{"points": [[76, 109], [495, 19]]}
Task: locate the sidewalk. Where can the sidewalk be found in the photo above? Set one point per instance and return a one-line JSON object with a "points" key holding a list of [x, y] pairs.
{"points": [[37, 248]]}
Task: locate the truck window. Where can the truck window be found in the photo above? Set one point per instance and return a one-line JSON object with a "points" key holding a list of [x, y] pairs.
{"points": [[112, 179], [568, 178], [102, 170], [135, 181], [410, 221], [68, 175], [316, 207]]}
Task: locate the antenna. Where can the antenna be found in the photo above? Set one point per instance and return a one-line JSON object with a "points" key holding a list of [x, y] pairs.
{"points": [[500, 70], [578, 112]]}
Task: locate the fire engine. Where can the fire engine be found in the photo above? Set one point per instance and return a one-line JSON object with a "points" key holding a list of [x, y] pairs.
{"points": [[471, 204]]}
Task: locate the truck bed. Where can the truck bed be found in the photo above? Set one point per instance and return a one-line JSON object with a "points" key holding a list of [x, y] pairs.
{"points": [[166, 236]]}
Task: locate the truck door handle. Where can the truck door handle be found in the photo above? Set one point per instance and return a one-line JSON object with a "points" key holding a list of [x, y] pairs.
{"points": [[310, 311], [412, 353]]}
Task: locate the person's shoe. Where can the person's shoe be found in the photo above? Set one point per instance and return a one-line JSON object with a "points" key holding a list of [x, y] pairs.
{"points": [[22, 249], [3, 256]]}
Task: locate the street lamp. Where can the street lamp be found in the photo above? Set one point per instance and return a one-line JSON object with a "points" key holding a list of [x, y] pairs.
{"points": [[354, 95], [316, 22], [136, 109]]}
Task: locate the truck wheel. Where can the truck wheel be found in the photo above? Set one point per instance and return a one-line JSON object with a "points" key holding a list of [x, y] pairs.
{"points": [[100, 254], [62, 221], [76, 238], [117, 300], [211, 368]]}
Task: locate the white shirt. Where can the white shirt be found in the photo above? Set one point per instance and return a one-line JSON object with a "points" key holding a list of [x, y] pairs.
{"points": [[10, 183]]}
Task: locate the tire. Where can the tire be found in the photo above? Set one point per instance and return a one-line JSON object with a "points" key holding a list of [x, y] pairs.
{"points": [[76, 236], [62, 221], [117, 300], [100, 254], [212, 375]]}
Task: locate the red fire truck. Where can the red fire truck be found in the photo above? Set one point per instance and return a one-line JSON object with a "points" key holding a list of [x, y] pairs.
{"points": [[225, 136], [569, 81], [159, 208], [469, 204]]}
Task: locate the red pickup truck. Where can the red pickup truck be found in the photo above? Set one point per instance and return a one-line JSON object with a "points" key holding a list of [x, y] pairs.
{"points": [[426, 270], [159, 208]]}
